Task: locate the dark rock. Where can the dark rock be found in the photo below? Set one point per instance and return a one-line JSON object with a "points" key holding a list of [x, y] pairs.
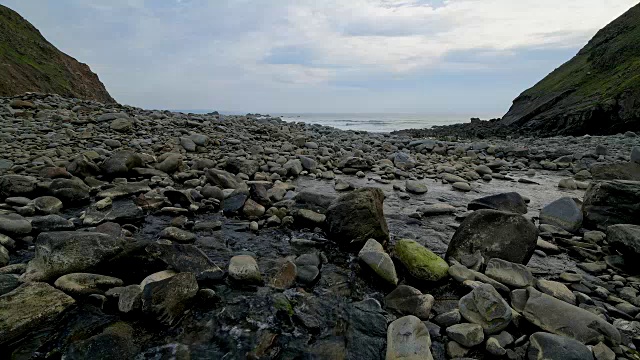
{"points": [[186, 258], [234, 203], [549, 346], [70, 191], [166, 300], [50, 223], [17, 185], [509, 202], [114, 343], [120, 163], [358, 216], [563, 213], [366, 332], [611, 202], [617, 171], [485, 307], [626, 238], [494, 234], [65, 252], [223, 179]]}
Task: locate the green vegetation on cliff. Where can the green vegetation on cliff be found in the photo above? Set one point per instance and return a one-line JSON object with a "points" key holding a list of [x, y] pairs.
{"points": [[596, 92], [29, 63]]}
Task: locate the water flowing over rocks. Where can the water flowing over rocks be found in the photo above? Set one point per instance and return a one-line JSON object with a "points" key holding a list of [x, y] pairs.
{"points": [[131, 233]]}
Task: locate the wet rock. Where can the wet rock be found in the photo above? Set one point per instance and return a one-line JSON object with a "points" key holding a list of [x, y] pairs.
{"points": [[436, 209], [120, 163], [50, 223], [252, 209], [563, 213], [611, 202], [244, 269], [86, 284], [603, 352], [467, 335], [167, 299], [635, 154], [557, 290], [509, 202], [179, 235], [616, 171], [115, 342], [158, 276], [47, 205], [8, 282], [625, 238], [234, 203], [170, 164], [407, 300], [14, 225], [29, 307], [358, 216], [17, 185], [130, 299], [373, 255], [242, 166], [542, 310], [494, 234], [121, 211], [408, 339], [222, 179], [403, 161], [461, 186], [82, 167], [285, 277], [366, 334], [549, 346], [485, 307], [508, 273], [416, 187], [308, 266], [420, 262], [65, 252], [186, 258], [70, 191]]}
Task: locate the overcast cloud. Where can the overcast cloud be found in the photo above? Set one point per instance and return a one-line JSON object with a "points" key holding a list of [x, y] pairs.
{"points": [[442, 56]]}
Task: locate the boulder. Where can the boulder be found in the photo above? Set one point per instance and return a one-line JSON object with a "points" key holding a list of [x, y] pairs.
{"points": [[611, 202], [70, 191], [416, 187], [355, 217], [86, 284], [616, 171], [17, 185], [625, 238], [545, 346], [14, 225], [494, 234], [408, 339], [366, 332], [563, 213], [47, 205], [420, 262], [408, 300], [373, 255], [485, 307], [508, 273], [29, 307], [543, 311], [186, 258], [114, 342], [244, 269], [121, 211], [167, 299], [509, 202], [50, 223], [120, 163], [65, 252], [466, 334], [222, 179]]}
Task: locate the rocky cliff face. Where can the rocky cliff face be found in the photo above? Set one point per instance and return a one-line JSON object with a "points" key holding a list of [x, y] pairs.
{"points": [[29, 63], [596, 92]]}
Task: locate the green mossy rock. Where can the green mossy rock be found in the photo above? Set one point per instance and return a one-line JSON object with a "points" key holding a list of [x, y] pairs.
{"points": [[420, 261]]}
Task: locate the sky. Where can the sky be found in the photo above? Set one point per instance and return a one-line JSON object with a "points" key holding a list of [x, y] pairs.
{"points": [[327, 56]]}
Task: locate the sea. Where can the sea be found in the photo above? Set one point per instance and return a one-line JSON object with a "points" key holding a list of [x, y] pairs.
{"points": [[372, 122]]}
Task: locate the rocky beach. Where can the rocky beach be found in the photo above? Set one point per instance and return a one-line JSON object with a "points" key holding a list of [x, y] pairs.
{"points": [[137, 234]]}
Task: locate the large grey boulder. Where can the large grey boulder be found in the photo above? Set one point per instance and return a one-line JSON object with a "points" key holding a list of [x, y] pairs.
{"points": [[120, 163], [167, 299], [354, 218], [510, 202], [408, 300], [186, 258], [616, 171], [563, 213], [545, 346], [29, 307], [626, 238], [408, 339], [65, 252], [611, 202], [17, 185], [374, 256], [485, 307], [561, 318], [494, 234]]}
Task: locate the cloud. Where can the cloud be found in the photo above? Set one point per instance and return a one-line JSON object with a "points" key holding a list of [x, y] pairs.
{"points": [[297, 55]]}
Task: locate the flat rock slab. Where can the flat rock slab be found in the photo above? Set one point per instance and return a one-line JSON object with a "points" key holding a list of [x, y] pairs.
{"points": [[29, 307]]}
